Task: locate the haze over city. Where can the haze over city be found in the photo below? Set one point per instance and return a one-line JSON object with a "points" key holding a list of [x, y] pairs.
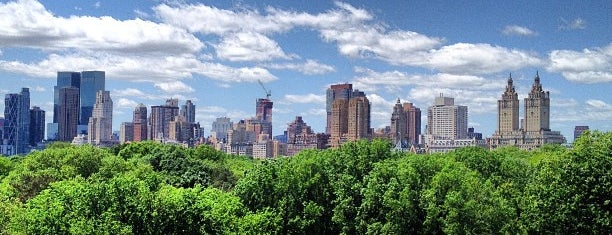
{"points": [[214, 53]]}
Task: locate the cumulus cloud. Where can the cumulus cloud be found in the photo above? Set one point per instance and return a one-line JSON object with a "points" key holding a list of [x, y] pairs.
{"points": [[587, 66], [138, 68], [247, 46], [26, 23], [518, 30], [174, 87], [310, 67], [124, 103]]}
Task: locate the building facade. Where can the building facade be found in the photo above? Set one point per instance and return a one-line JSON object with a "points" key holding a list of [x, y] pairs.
{"points": [[126, 132], [220, 127], [447, 120], [337, 91], [405, 123], [188, 111], [534, 131], [91, 83], [160, 119], [68, 113], [100, 125], [16, 128], [140, 122], [37, 125]]}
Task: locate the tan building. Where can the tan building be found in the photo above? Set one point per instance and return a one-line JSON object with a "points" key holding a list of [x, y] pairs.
{"points": [[100, 127], [350, 119], [405, 123], [535, 128], [447, 120]]}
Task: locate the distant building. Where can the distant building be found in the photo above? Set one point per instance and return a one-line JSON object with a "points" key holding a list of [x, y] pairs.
{"points": [[140, 123], [535, 130], [350, 115], [16, 123], [188, 111], [405, 123], [126, 132], [37, 125], [91, 83], [263, 113], [100, 126], [578, 130], [338, 91], [68, 117], [160, 119], [473, 135], [181, 130], [220, 127], [300, 136]]}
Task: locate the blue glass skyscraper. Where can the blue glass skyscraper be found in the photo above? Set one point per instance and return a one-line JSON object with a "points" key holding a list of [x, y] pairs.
{"points": [[91, 83]]}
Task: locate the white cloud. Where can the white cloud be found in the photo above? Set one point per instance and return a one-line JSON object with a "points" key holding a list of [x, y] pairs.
{"points": [[304, 99], [577, 23], [39, 89], [518, 30], [249, 47], [465, 58], [26, 23], [97, 4], [592, 110], [138, 68], [310, 67], [586, 66], [174, 87], [124, 103]]}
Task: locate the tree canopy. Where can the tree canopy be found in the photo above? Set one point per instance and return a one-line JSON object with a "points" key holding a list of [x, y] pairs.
{"points": [[359, 188]]}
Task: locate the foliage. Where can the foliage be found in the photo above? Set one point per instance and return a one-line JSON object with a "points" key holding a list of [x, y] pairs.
{"points": [[359, 188]]}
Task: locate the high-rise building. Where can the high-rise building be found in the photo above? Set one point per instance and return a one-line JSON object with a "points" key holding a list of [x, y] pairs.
{"points": [[188, 111], [140, 123], [337, 91], [299, 137], [447, 120], [91, 83], [535, 130], [338, 122], [413, 122], [578, 130], [537, 108], [126, 132], [68, 113], [100, 126], [263, 113], [220, 127], [405, 123], [508, 109], [180, 130], [64, 79], [359, 117], [37, 125], [160, 119], [17, 123]]}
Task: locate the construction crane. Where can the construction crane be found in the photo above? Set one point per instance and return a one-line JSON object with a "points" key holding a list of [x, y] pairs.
{"points": [[268, 92]]}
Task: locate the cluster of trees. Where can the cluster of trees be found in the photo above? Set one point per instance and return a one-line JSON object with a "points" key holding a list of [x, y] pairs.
{"points": [[359, 188]]}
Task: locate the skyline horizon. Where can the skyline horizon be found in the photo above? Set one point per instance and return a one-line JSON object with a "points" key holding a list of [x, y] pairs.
{"points": [[215, 52]]}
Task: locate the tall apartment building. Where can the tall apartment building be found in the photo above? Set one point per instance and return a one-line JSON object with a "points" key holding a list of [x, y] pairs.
{"points": [[180, 130], [405, 123], [188, 111], [64, 79], [534, 131], [337, 91], [220, 127], [126, 132], [68, 113], [140, 123], [17, 123], [263, 113], [160, 119], [37, 125], [350, 117], [100, 125], [447, 120]]}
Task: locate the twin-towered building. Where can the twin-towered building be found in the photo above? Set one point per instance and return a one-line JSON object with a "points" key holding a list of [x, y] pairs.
{"points": [[534, 130], [348, 115]]}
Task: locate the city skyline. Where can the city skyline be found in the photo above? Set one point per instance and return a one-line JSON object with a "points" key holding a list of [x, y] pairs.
{"points": [[153, 51]]}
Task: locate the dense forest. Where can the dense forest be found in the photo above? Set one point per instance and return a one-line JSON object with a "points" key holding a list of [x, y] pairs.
{"points": [[359, 188]]}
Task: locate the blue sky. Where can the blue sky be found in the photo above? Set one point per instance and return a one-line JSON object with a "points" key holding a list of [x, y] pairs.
{"points": [[213, 52]]}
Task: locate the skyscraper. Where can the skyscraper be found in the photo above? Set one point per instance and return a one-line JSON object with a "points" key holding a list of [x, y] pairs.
{"points": [[220, 127], [64, 79], [68, 113], [534, 131], [446, 120], [140, 123], [188, 111], [359, 117], [126, 132], [337, 91], [537, 108], [37, 125], [100, 125], [508, 109], [17, 122], [338, 122], [405, 123], [91, 83], [161, 116], [263, 113]]}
